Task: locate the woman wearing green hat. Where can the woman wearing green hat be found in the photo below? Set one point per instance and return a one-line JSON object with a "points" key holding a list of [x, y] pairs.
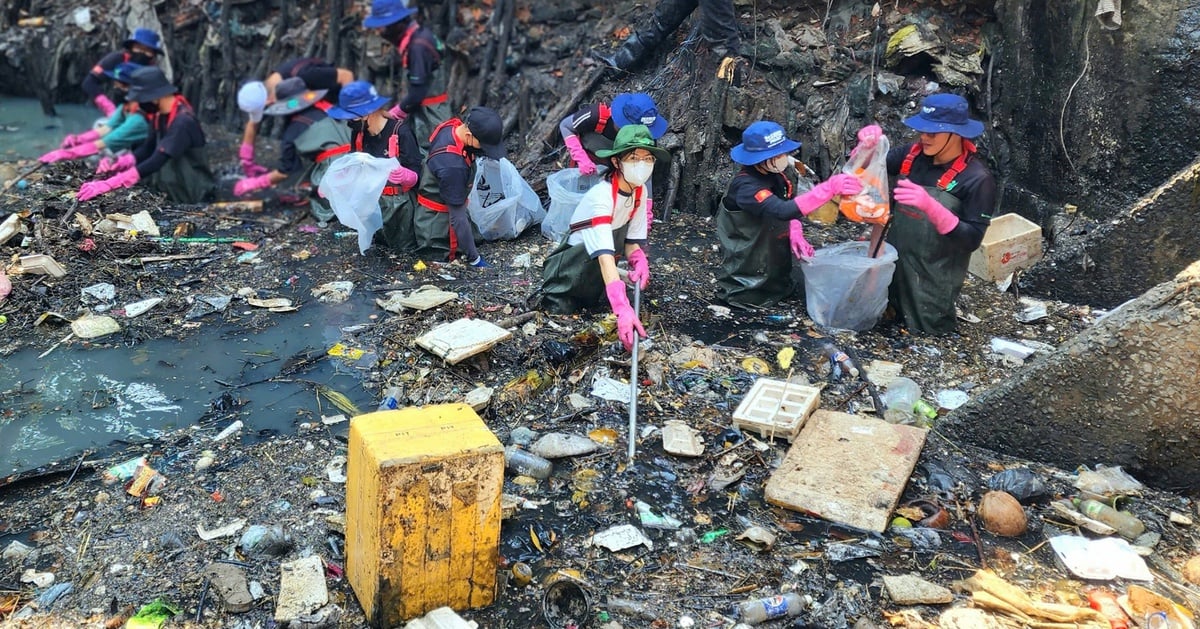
{"points": [[610, 218], [759, 220]]}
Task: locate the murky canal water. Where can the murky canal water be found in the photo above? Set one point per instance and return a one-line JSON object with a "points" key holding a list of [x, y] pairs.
{"points": [[78, 398], [26, 132]]}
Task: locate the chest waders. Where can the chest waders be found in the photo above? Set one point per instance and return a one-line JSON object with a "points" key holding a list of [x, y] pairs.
{"points": [[321, 142], [435, 108], [930, 271], [756, 258], [435, 237], [184, 178]]}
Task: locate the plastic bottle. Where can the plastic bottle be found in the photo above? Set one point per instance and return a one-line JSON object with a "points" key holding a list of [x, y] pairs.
{"points": [[527, 463], [1126, 523], [391, 399], [901, 395], [781, 606], [840, 360]]}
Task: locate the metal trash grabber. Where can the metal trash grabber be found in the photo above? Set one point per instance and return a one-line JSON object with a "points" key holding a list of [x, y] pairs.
{"points": [[633, 375]]}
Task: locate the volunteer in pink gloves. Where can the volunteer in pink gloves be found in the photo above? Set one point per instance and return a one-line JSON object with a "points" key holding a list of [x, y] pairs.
{"points": [[943, 198], [610, 220], [143, 48], [126, 128], [758, 224], [173, 158]]}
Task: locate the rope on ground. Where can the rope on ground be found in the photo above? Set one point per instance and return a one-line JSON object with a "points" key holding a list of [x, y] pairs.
{"points": [[1087, 58]]}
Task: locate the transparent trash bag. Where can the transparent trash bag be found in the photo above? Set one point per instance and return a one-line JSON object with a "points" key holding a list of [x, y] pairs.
{"points": [[501, 203], [353, 184], [872, 204], [847, 289], [566, 188]]}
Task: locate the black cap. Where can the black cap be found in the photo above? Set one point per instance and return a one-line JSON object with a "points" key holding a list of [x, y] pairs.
{"points": [[148, 84], [487, 127]]}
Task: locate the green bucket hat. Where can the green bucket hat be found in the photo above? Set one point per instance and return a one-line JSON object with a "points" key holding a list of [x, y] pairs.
{"points": [[635, 136]]}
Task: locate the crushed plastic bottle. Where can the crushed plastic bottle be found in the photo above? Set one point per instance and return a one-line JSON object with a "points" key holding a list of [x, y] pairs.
{"points": [[391, 399], [780, 606], [839, 361], [527, 463]]}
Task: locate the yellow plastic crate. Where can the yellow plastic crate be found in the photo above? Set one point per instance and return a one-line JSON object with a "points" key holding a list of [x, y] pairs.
{"points": [[422, 511]]}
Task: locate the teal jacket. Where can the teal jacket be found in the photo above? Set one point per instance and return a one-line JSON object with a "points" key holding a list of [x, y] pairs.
{"points": [[127, 130]]}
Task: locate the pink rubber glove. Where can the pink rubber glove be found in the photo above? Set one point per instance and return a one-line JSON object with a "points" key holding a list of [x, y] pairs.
{"points": [[124, 161], [908, 193], [93, 189], [81, 151], [585, 164], [396, 113], [403, 177], [824, 192], [639, 268], [77, 139], [56, 155], [800, 247], [250, 184], [628, 325], [105, 105], [868, 138], [249, 167]]}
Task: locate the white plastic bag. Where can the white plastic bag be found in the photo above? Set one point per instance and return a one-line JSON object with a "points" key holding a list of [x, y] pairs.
{"points": [[501, 203], [353, 184], [566, 188], [844, 288]]}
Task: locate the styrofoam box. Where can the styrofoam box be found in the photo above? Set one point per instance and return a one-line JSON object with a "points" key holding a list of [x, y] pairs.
{"points": [[774, 408], [1010, 244]]}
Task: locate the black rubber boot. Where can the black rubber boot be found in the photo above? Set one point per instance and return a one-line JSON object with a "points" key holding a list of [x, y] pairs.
{"points": [[631, 51]]}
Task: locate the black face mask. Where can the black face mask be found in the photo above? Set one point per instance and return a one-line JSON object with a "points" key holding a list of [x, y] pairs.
{"points": [[140, 58], [394, 32], [150, 108], [358, 124]]}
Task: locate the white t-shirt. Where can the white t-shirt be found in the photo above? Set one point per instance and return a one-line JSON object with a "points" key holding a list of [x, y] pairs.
{"points": [[601, 217]]}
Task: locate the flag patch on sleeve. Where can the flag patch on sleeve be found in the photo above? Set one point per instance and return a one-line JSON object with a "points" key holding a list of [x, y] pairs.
{"points": [[762, 195]]}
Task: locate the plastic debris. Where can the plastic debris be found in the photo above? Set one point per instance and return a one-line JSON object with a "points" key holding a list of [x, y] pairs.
{"points": [[1101, 559], [620, 537], [333, 292], [221, 531], [609, 389], [653, 520]]}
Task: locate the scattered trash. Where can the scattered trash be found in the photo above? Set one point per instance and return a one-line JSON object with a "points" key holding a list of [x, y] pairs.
{"points": [[275, 304], [333, 292], [1107, 482], [221, 531], [681, 439], [1101, 559], [102, 292], [229, 431], [207, 304], [780, 606], [146, 482], [1124, 522], [910, 589], [996, 595], [842, 552], [302, 589], [757, 538], [1020, 482], [228, 583], [557, 445], [609, 389], [1012, 349], [152, 615], [755, 365], [39, 264], [527, 463], [567, 602], [122, 471], [621, 537], [653, 520], [774, 408], [265, 541], [1032, 310], [441, 618], [1001, 514], [462, 339], [335, 470], [951, 399], [141, 307], [423, 298], [16, 552], [38, 579]]}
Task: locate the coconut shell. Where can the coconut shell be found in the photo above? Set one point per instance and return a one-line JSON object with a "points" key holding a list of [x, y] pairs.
{"points": [[1191, 570], [1002, 515]]}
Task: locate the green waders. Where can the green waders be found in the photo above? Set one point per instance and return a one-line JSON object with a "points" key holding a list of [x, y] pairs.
{"points": [[186, 178], [399, 210], [930, 272], [435, 239], [571, 279], [320, 143], [756, 264]]}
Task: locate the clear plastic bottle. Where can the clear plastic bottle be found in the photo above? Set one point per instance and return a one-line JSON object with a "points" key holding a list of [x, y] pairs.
{"points": [[901, 395], [391, 399], [527, 463], [1126, 523], [780, 606], [840, 361]]}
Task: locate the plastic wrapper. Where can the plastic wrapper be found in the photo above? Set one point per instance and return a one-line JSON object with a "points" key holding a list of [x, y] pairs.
{"points": [[1020, 483], [1107, 482], [872, 205]]}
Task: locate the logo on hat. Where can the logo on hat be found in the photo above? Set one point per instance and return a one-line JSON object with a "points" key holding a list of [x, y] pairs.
{"points": [[775, 138], [648, 120], [928, 110]]}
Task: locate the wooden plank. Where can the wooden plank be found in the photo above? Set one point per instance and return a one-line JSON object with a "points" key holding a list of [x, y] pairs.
{"points": [[847, 469]]}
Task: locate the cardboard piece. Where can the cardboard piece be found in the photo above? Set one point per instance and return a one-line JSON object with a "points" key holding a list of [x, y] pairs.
{"points": [[847, 469], [459, 340]]}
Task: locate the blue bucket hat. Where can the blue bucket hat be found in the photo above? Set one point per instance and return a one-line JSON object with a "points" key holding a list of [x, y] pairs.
{"points": [[640, 109], [357, 100], [760, 142], [945, 113], [145, 37], [123, 71], [384, 12], [149, 84]]}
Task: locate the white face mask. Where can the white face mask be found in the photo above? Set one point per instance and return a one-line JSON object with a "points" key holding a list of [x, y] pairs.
{"points": [[777, 164], [636, 173]]}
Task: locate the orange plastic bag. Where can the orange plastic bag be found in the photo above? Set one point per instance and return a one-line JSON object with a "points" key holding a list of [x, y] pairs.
{"points": [[870, 167]]}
